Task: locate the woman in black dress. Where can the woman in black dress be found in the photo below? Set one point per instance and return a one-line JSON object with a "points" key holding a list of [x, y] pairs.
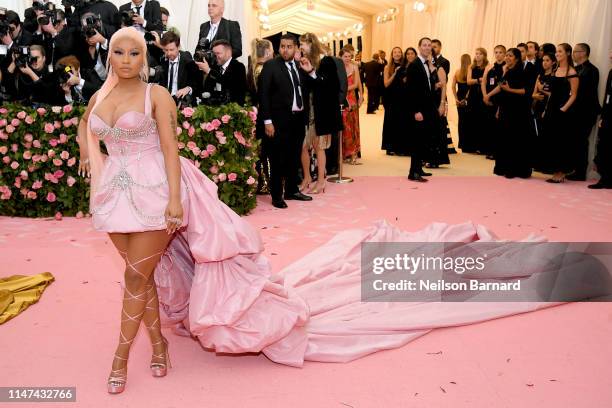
{"points": [[493, 75], [541, 94], [558, 117], [394, 131], [512, 159], [477, 132], [461, 90], [438, 149]]}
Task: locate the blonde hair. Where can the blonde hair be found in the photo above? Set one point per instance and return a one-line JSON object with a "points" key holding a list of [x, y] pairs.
{"points": [[466, 60], [485, 61], [96, 160], [315, 48], [258, 50]]}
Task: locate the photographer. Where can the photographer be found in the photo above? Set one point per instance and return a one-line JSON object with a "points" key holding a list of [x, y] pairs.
{"points": [[31, 14], [76, 90], [180, 74], [105, 10], [34, 84], [228, 77], [52, 33], [143, 14], [219, 28], [12, 32], [94, 50]]}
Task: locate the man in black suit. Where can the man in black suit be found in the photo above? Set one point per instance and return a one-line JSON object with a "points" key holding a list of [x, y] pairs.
{"points": [[587, 109], [105, 10], [218, 28], [440, 61], [422, 107], [331, 154], [228, 77], [180, 75], [373, 71], [283, 102], [603, 159], [147, 14]]}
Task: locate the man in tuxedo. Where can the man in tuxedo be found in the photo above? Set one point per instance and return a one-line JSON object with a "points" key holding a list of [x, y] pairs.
{"points": [[228, 77], [422, 108], [373, 71], [218, 28], [93, 53], [587, 109], [440, 61], [105, 10], [179, 74], [533, 55], [283, 104], [603, 159], [147, 14]]}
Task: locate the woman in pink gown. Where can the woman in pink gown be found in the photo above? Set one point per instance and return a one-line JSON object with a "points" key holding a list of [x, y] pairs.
{"points": [[190, 256]]}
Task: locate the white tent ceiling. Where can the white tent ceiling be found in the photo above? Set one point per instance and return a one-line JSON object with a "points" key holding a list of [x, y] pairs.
{"points": [[327, 15]]}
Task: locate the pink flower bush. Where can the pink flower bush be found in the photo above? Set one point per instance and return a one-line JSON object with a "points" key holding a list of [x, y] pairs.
{"points": [[222, 177], [216, 123], [63, 138], [188, 112], [32, 195], [3, 149], [28, 137], [58, 216], [70, 181], [10, 129], [37, 185], [21, 115], [240, 138], [29, 120], [14, 165], [71, 162], [51, 197], [226, 119], [65, 155], [41, 111], [250, 181], [67, 109], [27, 155], [36, 144], [49, 128], [15, 122], [57, 162], [232, 177]]}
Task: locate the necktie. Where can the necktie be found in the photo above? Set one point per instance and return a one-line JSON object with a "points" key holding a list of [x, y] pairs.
{"points": [[296, 86], [171, 83], [138, 9], [428, 73]]}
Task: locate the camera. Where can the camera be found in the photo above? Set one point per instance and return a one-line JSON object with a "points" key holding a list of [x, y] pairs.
{"points": [[149, 37], [22, 56], [91, 25], [205, 53], [64, 72], [127, 18], [48, 16], [182, 103], [216, 98]]}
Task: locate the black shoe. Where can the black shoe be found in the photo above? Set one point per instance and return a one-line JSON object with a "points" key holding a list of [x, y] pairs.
{"points": [[389, 153], [424, 174], [417, 178], [298, 197], [510, 176], [576, 177], [431, 166], [279, 203], [490, 157], [600, 185]]}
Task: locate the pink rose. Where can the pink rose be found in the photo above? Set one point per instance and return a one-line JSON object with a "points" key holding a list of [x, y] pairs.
{"points": [[75, 121], [44, 158], [3, 111], [21, 115], [29, 120], [191, 131], [5, 193], [71, 162], [36, 144], [253, 116], [210, 127], [211, 149], [226, 118], [186, 125], [65, 155], [204, 154], [17, 183], [56, 109], [23, 175], [28, 137], [32, 195], [57, 162], [191, 145], [37, 185], [197, 164], [57, 124], [49, 128], [63, 138], [58, 216], [71, 180], [196, 151], [219, 134], [27, 155], [232, 177], [36, 158], [188, 112], [58, 174], [41, 111], [31, 168], [67, 109], [10, 129], [179, 131], [51, 153], [79, 215], [3, 135], [3, 149], [3, 123], [216, 123], [240, 138], [255, 109], [14, 165], [51, 197], [216, 179], [14, 147], [181, 145], [214, 169], [67, 123], [6, 159], [250, 181], [27, 145], [222, 177], [15, 122]]}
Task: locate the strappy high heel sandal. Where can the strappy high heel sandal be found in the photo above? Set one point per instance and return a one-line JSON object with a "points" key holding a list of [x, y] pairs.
{"points": [[317, 189], [161, 369], [116, 383]]}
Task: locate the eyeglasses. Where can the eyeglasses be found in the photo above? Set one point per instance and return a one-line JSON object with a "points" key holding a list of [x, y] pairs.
{"points": [[577, 51]]}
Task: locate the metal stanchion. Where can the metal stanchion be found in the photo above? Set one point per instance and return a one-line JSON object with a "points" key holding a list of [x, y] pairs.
{"points": [[339, 179]]}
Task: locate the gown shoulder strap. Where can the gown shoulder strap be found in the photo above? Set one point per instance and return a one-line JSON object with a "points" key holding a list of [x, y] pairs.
{"points": [[148, 100]]}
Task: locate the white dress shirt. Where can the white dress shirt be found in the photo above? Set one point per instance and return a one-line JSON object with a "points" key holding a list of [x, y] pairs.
{"points": [[100, 68], [142, 7], [213, 30], [173, 87], [426, 66]]}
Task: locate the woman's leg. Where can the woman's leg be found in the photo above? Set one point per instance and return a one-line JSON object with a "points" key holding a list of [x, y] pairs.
{"points": [[305, 157], [142, 253]]}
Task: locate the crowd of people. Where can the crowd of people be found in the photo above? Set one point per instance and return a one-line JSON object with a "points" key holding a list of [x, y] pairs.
{"points": [[56, 56], [533, 108]]}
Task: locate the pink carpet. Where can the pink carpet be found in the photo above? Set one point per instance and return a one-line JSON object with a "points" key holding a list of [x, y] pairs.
{"points": [[557, 357]]}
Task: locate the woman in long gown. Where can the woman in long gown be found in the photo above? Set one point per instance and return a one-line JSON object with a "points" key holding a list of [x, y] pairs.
{"points": [[394, 130], [514, 155], [492, 75], [474, 143], [438, 149], [212, 282], [540, 96], [461, 90], [351, 144]]}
